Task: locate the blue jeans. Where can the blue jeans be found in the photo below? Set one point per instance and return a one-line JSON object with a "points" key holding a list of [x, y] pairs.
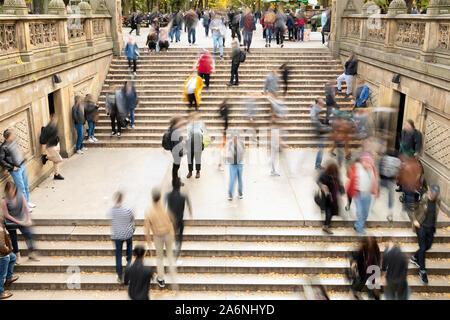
{"points": [[191, 34], [218, 41], [362, 202], [20, 178], [6, 269], [26, 231], [206, 30], [131, 116], [91, 128], [319, 158], [175, 32], [119, 248], [235, 173], [248, 35], [80, 136], [269, 32], [389, 185], [300, 31]]}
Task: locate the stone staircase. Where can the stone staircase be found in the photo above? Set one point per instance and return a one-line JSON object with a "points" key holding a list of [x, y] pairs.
{"points": [[221, 259], [159, 83]]}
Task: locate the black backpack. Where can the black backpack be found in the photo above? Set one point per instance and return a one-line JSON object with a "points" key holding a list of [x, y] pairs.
{"points": [[242, 56], [43, 138], [167, 140]]}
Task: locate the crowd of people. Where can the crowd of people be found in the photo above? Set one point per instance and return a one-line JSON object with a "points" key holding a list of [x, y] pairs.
{"points": [[375, 167]]}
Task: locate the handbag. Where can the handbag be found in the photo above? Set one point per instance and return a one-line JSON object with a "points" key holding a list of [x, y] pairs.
{"points": [[10, 225], [206, 140]]}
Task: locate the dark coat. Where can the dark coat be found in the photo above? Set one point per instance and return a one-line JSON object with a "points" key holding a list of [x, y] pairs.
{"points": [[90, 111], [6, 158], [78, 114]]}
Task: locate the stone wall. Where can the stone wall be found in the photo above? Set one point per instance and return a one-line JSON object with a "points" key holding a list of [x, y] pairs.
{"points": [[78, 48], [417, 47]]}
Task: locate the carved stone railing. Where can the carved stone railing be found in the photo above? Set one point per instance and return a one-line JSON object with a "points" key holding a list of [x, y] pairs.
{"points": [[25, 37], [425, 37]]}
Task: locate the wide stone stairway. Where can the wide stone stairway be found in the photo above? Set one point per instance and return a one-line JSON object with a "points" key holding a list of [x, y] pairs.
{"points": [[220, 259], [160, 77]]}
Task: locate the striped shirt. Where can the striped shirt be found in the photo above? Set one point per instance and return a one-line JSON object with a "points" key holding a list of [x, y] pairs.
{"points": [[122, 223]]}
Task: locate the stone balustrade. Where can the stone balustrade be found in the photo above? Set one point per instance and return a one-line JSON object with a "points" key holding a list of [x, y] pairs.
{"points": [[424, 37], [26, 37]]}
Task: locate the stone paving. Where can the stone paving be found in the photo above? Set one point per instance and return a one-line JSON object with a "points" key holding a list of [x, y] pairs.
{"points": [[92, 178]]}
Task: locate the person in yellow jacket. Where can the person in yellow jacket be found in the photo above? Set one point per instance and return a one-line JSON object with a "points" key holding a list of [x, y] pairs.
{"points": [[192, 90]]}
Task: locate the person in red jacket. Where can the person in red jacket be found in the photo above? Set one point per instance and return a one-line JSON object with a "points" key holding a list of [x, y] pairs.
{"points": [[301, 21], [362, 185], [205, 66]]}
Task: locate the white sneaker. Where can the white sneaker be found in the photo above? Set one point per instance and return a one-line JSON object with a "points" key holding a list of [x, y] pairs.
{"points": [[84, 149], [241, 197], [95, 139], [80, 152], [118, 134], [179, 262], [90, 140], [133, 126], [31, 205], [30, 210]]}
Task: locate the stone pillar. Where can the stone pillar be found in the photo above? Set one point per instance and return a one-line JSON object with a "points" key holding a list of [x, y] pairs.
{"points": [[438, 7], [396, 7], [114, 8], [23, 32], [65, 127], [57, 7], [336, 29], [17, 7]]}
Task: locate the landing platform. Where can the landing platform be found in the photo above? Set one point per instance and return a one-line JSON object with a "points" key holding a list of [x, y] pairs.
{"points": [[92, 178]]}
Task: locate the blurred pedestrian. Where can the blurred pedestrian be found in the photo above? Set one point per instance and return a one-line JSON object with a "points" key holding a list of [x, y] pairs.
{"points": [[395, 272], [91, 113], [235, 22], [133, 21], [205, 66], [206, 22], [122, 230], [351, 66], [191, 24], [330, 92], [301, 22], [16, 216], [269, 23], [424, 219], [285, 70], [272, 82], [194, 144], [363, 264], [330, 186], [112, 109], [131, 100], [320, 129], [13, 160], [151, 39], [138, 276], [411, 140], [235, 159], [218, 30], [173, 140], [163, 42], [50, 145], [362, 185], [192, 90], [176, 23], [389, 171], [290, 26], [7, 262], [247, 26], [131, 51], [159, 222], [79, 120], [176, 201], [235, 61], [224, 111], [412, 182]]}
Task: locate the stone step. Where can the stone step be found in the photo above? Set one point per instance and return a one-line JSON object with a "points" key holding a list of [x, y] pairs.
{"points": [[243, 78], [295, 70], [227, 249], [165, 294], [216, 137], [232, 233], [240, 223], [124, 142], [159, 130], [255, 62], [152, 91], [148, 74], [215, 282], [216, 265]]}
